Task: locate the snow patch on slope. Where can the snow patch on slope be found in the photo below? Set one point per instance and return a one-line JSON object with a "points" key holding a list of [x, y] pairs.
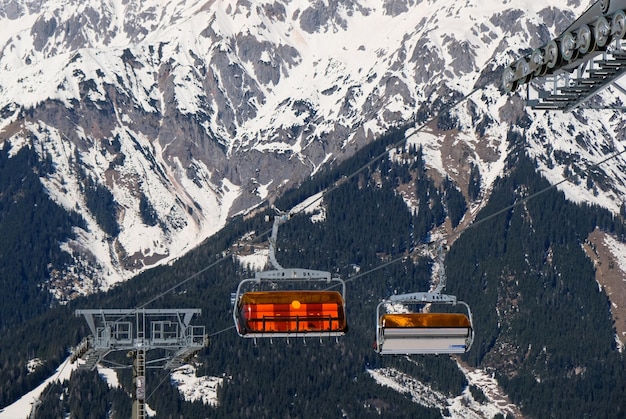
{"points": [[194, 388], [462, 407], [22, 407]]}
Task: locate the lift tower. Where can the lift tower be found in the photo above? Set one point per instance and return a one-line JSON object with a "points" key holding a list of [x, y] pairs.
{"points": [[138, 331]]}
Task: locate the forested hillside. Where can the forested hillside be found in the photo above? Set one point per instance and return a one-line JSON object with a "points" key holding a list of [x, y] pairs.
{"points": [[29, 251], [542, 326], [545, 327]]}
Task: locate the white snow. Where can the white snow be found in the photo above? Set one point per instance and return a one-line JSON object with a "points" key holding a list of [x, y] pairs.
{"points": [[312, 205], [262, 190], [194, 388], [256, 261], [462, 406], [22, 407], [332, 66], [618, 251], [489, 385], [33, 364], [110, 376]]}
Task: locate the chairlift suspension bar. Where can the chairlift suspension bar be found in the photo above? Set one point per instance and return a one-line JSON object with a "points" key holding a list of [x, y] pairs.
{"points": [[423, 297], [442, 270]]}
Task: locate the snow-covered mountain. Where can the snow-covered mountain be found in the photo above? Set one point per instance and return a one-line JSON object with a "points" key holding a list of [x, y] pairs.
{"points": [[191, 111]]}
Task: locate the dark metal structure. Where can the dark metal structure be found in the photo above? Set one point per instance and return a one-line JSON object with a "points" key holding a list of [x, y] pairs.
{"points": [[585, 59], [138, 331]]}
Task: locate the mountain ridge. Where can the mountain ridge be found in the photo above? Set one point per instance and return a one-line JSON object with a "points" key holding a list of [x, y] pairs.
{"points": [[179, 116]]}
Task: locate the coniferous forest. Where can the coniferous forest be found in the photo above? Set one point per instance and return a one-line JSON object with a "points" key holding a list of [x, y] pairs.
{"points": [[542, 325]]}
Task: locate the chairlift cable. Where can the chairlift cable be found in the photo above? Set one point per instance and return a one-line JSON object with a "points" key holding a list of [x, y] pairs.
{"points": [[482, 220], [41, 398], [374, 159], [404, 256], [456, 233], [338, 183], [165, 376], [534, 195]]}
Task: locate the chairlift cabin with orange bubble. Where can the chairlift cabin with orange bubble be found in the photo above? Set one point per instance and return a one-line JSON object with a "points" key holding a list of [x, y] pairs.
{"points": [[290, 313], [269, 309], [399, 332], [424, 332]]}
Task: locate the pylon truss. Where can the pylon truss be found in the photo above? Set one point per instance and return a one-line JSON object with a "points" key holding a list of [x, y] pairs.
{"points": [[140, 330]]}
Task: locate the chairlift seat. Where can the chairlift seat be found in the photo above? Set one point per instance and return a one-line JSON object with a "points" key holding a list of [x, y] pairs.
{"points": [[424, 333]]}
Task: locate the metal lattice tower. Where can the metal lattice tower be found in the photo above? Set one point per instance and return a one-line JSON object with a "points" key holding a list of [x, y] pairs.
{"points": [[138, 331]]}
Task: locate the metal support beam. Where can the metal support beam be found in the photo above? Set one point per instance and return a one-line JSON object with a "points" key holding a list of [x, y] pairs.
{"points": [[138, 331], [568, 91], [585, 59], [139, 381]]}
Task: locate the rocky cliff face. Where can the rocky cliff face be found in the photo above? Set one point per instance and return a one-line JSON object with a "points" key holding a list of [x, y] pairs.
{"points": [[190, 111]]}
